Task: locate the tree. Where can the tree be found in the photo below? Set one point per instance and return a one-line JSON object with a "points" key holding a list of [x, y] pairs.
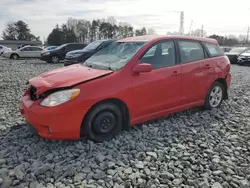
{"points": [[140, 32], [61, 35], [18, 31], [10, 32], [242, 38], [230, 40], [55, 38], [151, 31]]}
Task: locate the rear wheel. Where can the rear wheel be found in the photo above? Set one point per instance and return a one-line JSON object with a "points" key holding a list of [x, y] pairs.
{"points": [[14, 56], [215, 96], [103, 122]]}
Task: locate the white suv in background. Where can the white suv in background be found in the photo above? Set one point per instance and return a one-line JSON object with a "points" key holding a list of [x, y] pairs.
{"points": [[4, 49]]}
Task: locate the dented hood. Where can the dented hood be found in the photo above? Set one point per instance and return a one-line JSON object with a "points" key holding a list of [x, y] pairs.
{"points": [[66, 77]]}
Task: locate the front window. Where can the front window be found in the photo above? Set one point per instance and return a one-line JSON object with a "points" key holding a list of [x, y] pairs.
{"points": [[248, 51], [114, 56], [237, 50], [93, 45]]}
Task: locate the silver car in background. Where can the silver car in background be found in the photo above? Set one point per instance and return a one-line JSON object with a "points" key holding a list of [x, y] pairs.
{"points": [[4, 49], [24, 52]]}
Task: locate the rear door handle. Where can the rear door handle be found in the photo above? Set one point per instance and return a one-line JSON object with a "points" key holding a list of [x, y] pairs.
{"points": [[175, 73]]}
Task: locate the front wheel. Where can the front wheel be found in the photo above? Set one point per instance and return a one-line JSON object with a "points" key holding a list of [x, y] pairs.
{"points": [[103, 122], [215, 96], [55, 59]]}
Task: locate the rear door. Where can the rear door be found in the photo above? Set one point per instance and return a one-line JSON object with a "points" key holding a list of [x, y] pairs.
{"points": [[36, 52], [215, 65], [192, 59]]}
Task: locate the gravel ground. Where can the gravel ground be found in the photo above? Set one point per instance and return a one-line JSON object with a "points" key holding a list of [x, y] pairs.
{"points": [[194, 148]]}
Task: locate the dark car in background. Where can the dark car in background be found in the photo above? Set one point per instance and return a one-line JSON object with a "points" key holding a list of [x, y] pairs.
{"points": [[58, 54], [235, 53], [78, 56], [244, 58]]}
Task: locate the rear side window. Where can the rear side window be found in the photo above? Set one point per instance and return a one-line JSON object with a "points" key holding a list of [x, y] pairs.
{"points": [[191, 51], [214, 50]]}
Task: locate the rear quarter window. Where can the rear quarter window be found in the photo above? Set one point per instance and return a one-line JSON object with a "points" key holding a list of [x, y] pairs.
{"points": [[214, 50]]}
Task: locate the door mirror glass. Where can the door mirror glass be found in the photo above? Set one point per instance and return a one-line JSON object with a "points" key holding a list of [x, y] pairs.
{"points": [[143, 67]]}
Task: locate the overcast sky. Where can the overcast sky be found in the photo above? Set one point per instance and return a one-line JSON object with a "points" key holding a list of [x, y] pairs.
{"points": [[217, 16]]}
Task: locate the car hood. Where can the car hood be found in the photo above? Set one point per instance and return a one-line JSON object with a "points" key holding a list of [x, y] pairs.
{"points": [[245, 54], [232, 53], [66, 77], [74, 52], [79, 52]]}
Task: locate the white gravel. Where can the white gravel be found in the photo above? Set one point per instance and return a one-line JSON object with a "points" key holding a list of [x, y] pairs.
{"points": [[194, 148]]}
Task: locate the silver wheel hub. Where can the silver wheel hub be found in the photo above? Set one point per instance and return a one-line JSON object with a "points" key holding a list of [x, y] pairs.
{"points": [[55, 59], [215, 96]]}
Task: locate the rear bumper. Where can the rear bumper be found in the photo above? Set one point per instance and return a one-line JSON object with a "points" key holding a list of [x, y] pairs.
{"points": [[228, 80], [62, 122]]}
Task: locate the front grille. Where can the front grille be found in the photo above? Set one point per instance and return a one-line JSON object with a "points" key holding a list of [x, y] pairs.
{"points": [[32, 93]]}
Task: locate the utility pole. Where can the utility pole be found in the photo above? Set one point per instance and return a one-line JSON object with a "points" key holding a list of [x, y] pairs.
{"points": [[189, 33], [248, 29], [202, 28], [181, 28]]}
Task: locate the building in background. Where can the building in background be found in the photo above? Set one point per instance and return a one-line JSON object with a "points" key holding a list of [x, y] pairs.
{"points": [[14, 44]]}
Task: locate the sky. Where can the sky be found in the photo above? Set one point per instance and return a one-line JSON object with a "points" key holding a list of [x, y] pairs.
{"points": [[216, 16]]}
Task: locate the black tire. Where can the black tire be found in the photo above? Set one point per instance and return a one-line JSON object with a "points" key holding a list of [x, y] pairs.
{"points": [[208, 100], [103, 122], [54, 59], [14, 56]]}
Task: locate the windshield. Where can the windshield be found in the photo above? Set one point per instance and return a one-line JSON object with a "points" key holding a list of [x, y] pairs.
{"points": [[93, 45], [237, 50], [114, 56], [60, 47], [248, 51]]}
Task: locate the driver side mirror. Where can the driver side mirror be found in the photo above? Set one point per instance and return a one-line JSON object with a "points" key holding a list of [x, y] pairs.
{"points": [[143, 67]]}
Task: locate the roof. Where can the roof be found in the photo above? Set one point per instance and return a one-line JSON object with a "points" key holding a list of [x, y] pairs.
{"points": [[19, 42], [147, 38]]}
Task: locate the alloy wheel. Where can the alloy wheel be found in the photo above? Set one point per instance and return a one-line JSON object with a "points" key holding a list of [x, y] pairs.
{"points": [[215, 96]]}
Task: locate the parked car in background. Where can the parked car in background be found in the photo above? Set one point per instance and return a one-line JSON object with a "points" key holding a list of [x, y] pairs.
{"points": [[235, 52], [100, 97], [77, 56], [58, 54], [244, 58], [226, 48], [4, 49], [24, 52]]}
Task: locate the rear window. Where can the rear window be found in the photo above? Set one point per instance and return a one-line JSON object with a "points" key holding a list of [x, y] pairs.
{"points": [[214, 50]]}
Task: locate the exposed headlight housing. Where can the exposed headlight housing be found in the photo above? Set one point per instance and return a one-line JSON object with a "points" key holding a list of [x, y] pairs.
{"points": [[60, 97]]}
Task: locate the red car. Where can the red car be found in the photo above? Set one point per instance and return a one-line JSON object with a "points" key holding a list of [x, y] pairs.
{"points": [[130, 81]]}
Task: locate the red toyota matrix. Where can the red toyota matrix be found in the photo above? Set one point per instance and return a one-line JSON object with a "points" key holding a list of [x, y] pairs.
{"points": [[130, 81]]}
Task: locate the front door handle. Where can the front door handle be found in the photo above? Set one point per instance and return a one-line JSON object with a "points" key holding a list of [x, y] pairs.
{"points": [[207, 66], [175, 73]]}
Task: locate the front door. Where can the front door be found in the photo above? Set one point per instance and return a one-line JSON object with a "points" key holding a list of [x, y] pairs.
{"points": [[159, 89]]}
